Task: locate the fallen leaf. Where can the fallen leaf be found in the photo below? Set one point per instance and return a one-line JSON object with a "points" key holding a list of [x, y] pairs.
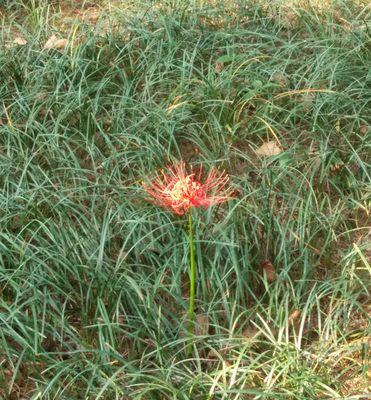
{"points": [[336, 167], [19, 41], [219, 66], [280, 78], [268, 149], [93, 16], [201, 325], [250, 333], [293, 317], [313, 148], [268, 270], [307, 100], [363, 129], [54, 43], [212, 354]]}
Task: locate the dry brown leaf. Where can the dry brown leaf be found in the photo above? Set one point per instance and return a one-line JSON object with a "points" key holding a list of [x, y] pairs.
{"points": [[54, 43], [268, 270], [219, 66], [93, 16], [201, 325], [313, 148], [307, 100], [213, 353], [250, 333], [280, 78], [363, 129], [294, 316], [270, 148], [19, 41]]}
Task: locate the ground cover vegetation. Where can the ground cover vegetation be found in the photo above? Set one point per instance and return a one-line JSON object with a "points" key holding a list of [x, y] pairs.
{"points": [[95, 97]]}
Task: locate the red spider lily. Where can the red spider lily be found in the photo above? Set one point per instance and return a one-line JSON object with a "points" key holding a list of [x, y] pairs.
{"points": [[179, 190]]}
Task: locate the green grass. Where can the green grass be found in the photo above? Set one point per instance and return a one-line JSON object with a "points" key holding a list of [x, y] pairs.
{"points": [[93, 278]]}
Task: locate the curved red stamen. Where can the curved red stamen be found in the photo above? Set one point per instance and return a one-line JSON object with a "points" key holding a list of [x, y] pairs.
{"points": [[179, 191]]}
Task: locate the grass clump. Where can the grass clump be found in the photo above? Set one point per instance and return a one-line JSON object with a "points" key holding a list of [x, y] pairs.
{"points": [[93, 280]]}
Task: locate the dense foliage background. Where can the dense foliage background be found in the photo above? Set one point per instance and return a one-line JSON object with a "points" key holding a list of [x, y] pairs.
{"points": [[93, 279]]}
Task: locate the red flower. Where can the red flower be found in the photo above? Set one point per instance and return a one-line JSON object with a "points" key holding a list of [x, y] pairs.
{"points": [[179, 190]]}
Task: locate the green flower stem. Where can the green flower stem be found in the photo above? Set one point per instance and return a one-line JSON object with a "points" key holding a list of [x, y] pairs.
{"points": [[192, 275]]}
